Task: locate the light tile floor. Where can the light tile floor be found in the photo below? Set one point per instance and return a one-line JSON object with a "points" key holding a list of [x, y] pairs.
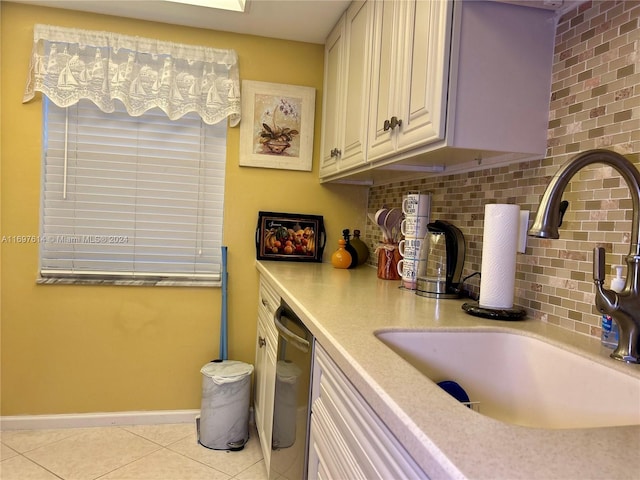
{"points": [[138, 452]]}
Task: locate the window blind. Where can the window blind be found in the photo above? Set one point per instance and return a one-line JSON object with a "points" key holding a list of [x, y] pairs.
{"points": [[131, 196]]}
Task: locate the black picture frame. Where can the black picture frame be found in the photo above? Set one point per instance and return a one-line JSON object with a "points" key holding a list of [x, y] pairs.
{"points": [[290, 237]]}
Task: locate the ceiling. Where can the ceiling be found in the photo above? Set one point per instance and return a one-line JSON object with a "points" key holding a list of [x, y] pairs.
{"points": [[300, 20]]}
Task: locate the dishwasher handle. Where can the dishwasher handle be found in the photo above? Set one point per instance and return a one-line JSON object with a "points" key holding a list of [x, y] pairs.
{"points": [[295, 340]]}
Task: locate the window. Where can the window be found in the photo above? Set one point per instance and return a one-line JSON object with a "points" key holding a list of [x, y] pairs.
{"points": [[134, 154], [131, 197]]}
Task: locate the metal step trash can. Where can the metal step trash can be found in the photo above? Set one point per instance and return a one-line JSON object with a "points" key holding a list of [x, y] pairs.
{"points": [[223, 423]]}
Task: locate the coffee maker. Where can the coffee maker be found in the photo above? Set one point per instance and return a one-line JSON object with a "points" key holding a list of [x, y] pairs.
{"points": [[442, 254]]}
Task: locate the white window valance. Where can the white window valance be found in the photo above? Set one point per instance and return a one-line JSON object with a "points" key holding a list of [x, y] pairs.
{"points": [[69, 64]]}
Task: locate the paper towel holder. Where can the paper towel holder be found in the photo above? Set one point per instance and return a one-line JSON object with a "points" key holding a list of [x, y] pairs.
{"points": [[476, 310]]}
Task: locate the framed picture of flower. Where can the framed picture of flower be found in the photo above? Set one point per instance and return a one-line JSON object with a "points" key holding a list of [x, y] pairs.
{"points": [[276, 130]]}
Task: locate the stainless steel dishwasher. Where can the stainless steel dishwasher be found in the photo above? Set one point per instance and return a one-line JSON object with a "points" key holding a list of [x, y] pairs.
{"points": [[291, 404]]}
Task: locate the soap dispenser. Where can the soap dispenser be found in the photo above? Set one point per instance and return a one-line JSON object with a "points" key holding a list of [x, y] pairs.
{"points": [[617, 284], [610, 332]]}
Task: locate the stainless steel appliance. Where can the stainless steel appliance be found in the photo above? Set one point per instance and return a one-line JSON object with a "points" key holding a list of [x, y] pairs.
{"points": [[291, 404]]}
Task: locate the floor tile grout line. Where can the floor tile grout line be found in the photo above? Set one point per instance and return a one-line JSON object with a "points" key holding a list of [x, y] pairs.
{"points": [[198, 461], [35, 463], [159, 447], [153, 441], [79, 430], [10, 448], [231, 477], [250, 466], [102, 475], [167, 448], [48, 444]]}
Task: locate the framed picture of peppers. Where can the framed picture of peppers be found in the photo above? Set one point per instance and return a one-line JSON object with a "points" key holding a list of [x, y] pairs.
{"points": [[277, 124], [291, 237]]}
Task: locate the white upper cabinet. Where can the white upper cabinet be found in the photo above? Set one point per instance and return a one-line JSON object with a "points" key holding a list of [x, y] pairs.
{"points": [[346, 86], [409, 75], [443, 86], [332, 124]]}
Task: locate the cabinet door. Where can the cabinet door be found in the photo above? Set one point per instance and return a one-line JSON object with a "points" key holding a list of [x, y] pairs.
{"points": [[269, 395], [265, 369], [348, 439], [388, 42], [332, 108], [357, 62], [329, 455], [259, 378], [425, 73], [409, 75]]}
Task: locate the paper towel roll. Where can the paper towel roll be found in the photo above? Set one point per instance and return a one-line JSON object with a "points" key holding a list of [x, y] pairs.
{"points": [[499, 244]]}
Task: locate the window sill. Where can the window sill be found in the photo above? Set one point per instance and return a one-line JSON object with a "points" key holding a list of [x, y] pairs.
{"points": [[126, 282]]}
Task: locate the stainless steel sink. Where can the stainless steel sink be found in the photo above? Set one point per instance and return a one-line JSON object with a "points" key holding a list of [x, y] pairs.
{"points": [[521, 379]]}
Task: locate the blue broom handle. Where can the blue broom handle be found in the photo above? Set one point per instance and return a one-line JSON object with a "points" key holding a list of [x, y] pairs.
{"points": [[223, 319]]}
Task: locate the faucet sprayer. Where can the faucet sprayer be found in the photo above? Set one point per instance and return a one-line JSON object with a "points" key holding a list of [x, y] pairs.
{"points": [[624, 307]]}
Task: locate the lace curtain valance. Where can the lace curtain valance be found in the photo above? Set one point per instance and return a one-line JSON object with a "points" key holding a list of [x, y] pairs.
{"points": [[70, 64]]}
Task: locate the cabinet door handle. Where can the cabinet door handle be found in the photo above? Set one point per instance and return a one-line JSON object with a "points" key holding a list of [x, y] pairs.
{"points": [[387, 125], [395, 122], [261, 341], [265, 303], [335, 152]]}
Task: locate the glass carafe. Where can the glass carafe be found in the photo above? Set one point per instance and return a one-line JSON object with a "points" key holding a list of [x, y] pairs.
{"points": [[432, 275]]}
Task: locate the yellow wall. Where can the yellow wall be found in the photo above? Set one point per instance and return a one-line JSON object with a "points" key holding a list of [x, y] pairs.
{"points": [[75, 349]]}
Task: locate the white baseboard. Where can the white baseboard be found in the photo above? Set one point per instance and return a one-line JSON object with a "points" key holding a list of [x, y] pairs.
{"points": [[41, 422]]}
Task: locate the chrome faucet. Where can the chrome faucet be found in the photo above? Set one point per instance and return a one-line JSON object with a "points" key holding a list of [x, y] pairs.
{"points": [[624, 307]]}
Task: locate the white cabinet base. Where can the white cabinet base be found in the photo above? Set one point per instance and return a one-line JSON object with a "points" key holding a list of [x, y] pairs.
{"points": [[347, 438]]}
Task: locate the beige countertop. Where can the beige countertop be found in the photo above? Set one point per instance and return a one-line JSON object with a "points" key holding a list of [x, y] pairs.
{"points": [[343, 309]]}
